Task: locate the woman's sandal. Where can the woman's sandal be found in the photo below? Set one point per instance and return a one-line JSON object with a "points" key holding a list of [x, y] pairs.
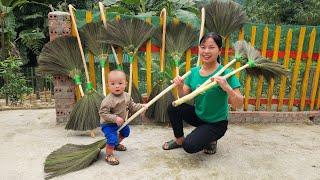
{"points": [[210, 148], [112, 160], [171, 145], [120, 147]]}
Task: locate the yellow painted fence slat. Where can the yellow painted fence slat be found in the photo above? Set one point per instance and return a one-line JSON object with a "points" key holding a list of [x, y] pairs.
{"points": [[296, 68], [92, 74], [274, 59], [263, 53], [248, 77], [315, 84], [241, 37], [307, 71], [283, 81]]}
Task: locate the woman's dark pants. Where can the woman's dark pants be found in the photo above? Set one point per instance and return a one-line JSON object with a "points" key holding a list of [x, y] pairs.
{"points": [[202, 135]]}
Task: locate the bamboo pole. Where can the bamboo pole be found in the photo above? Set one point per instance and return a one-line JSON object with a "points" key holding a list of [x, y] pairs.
{"points": [[205, 84], [241, 37], [205, 88]]}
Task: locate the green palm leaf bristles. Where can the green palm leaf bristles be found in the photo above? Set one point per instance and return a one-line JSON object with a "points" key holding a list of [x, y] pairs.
{"points": [[72, 157], [179, 38], [61, 56], [224, 17], [129, 34], [84, 115], [91, 34]]}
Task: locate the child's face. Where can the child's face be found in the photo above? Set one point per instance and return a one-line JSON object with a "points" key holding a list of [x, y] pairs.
{"points": [[117, 82]]}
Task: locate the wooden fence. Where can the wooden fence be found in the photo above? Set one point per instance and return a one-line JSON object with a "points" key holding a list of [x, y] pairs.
{"points": [[299, 92]]}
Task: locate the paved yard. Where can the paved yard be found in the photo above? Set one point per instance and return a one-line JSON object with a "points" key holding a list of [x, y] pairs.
{"points": [[256, 151]]}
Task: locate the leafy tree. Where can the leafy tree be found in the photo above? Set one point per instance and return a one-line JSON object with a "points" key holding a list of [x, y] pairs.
{"points": [[15, 82]]}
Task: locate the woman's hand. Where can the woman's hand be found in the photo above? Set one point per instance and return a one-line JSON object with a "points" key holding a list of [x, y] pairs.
{"points": [[223, 83], [178, 81]]}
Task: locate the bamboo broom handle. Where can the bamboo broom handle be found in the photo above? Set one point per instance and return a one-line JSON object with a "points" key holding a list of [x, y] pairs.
{"points": [[102, 15], [217, 74], [73, 20], [203, 15], [209, 80], [115, 55], [103, 82], [169, 88], [81, 90], [163, 14], [205, 88]]}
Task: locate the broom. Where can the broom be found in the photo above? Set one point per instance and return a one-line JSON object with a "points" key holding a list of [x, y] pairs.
{"points": [[254, 65], [224, 17], [61, 56], [158, 110], [91, 33], [84, 115], [72, 157]]}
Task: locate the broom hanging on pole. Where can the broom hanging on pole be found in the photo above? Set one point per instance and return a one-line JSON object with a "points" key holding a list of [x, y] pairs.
{"points": [[84, 115], [254, 65]]}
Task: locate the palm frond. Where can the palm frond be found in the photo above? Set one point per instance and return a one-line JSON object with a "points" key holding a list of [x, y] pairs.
{"points": [[72, 157], [85, 114], [179, 38], [129, 34], [61, 56], [91, 34], [224, 17]]}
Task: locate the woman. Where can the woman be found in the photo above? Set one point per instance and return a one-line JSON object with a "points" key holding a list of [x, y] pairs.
{"points": [[210, 111]]}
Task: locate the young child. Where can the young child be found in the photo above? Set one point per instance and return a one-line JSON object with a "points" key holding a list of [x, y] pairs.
{"points": [[113, 111]]}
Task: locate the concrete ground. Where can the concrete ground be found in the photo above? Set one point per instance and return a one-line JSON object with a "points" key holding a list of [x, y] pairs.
{"points": [[251, 151]]}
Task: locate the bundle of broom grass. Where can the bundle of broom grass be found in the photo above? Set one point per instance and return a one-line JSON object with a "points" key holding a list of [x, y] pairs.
{"points": [[254, 64]]}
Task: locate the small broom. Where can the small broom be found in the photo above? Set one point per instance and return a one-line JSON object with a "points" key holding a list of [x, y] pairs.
{"points": [[61, 56], [89, 103], [254, 65]]}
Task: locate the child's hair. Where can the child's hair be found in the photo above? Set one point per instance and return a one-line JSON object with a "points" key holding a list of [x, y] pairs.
{"points": [[217, 39], [115, 71]]}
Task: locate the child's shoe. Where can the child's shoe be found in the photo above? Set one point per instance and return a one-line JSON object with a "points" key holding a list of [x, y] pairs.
{"points": [[211, 148], [112, 160]]}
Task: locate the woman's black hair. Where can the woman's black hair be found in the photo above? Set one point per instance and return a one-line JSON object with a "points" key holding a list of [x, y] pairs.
{"points": [[217, 39]]}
